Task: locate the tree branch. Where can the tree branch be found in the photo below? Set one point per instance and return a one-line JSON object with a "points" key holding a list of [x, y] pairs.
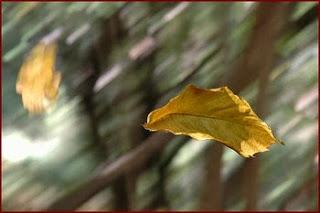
{"points": [[125, 164]]}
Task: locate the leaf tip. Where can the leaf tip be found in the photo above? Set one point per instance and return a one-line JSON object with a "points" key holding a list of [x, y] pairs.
{"points": [[280, 142], [144, 125], [191, 87]]}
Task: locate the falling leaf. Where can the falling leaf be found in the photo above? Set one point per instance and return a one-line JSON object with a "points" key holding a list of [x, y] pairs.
{"points": [[215, 114], [38, 82]]}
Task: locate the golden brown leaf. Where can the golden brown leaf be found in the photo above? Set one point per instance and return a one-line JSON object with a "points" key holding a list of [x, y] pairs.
{"points": [[215, 114], [38, 82]]}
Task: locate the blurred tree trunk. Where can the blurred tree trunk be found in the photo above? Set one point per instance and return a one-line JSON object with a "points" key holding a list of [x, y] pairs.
{"points": [[113, 32], [137, 134], [254, 63], [307, 189], [259, 55], [233, 181], [212, 192]]}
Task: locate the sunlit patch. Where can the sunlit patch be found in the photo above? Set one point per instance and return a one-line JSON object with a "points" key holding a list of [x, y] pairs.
{"points": [[17, 147], [185, 156]]}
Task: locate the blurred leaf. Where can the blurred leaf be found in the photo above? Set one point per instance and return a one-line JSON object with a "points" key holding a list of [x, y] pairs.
{"points": [[215, 114], [38, 83]]}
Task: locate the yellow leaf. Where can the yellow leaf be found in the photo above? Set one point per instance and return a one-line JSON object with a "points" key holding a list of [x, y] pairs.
{"points": [[38, 82], [215, 114]]}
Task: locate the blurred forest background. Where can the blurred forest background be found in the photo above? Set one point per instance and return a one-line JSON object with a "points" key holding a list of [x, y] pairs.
{"points": [[119, 61]]}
